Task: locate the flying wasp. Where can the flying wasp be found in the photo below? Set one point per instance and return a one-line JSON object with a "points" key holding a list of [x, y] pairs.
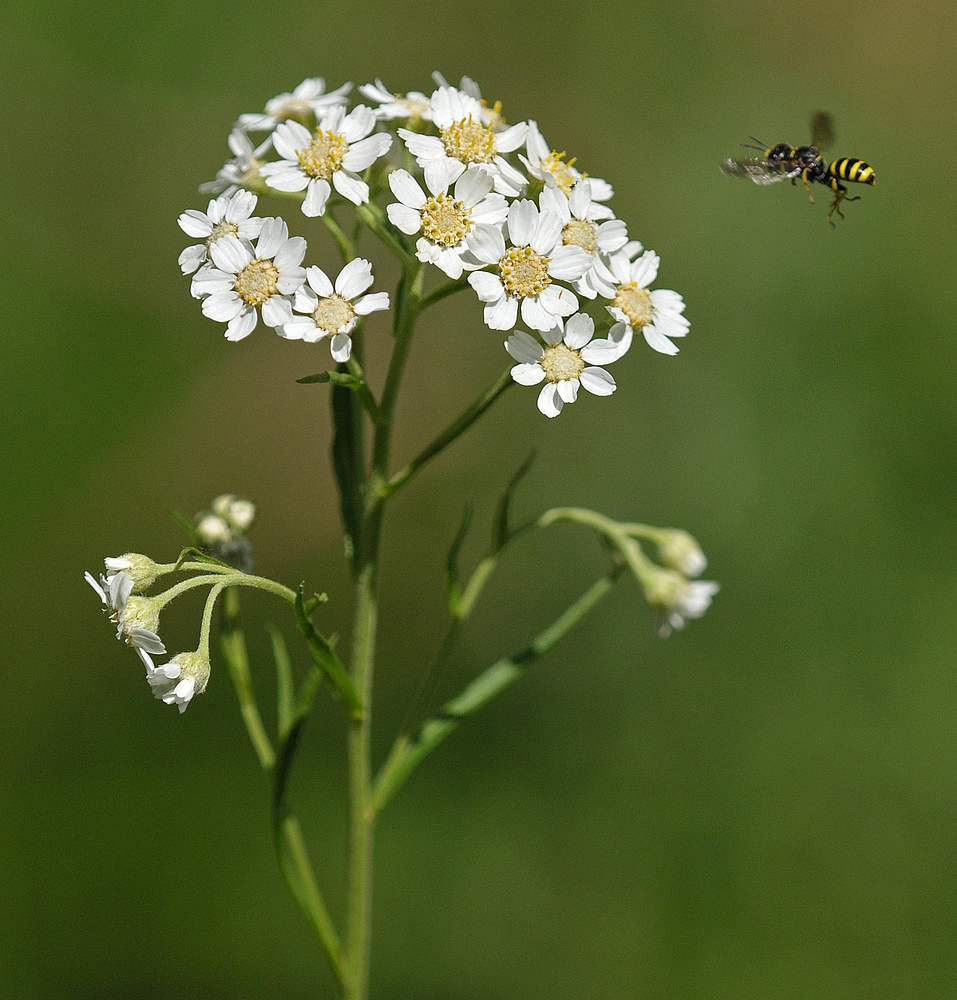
{"points": [[784, 162]]}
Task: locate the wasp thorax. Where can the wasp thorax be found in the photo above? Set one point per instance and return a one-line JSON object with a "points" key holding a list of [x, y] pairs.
{"points": [[445, 221], [333, 313], [561, 363], [220, 230], [562, 172], [323, 156], [257, 281], [469, 141], [636, 304], [524, 272], [581, 233]]}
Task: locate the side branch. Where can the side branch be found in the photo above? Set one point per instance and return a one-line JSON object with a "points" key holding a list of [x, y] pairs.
{"points": [[408, 752]]}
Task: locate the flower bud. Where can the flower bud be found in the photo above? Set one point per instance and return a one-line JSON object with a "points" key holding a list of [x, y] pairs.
{"points": [[680, 551], [212, 530], [143, 571], [176, 682], [241, 514]]}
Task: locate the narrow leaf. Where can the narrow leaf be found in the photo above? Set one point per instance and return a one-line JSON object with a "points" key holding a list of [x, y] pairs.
{"points": [[453, 586], [324, 657], [500, 526]]}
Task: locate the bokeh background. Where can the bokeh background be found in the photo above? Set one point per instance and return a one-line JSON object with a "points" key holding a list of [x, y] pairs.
{"points": [[764, 805]]}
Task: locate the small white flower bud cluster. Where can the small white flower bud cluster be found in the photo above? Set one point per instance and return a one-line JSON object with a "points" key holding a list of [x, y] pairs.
{"points": [[229, 518]]}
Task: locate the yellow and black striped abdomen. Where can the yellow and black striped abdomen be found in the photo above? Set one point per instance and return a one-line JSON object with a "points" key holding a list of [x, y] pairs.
{"points": [[853, 170]]}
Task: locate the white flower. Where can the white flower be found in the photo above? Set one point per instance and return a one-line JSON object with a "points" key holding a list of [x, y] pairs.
{"points": [[237, 513], [526, 270], [244, 278], [579, 214], [691, 599], [332, 156], [413, 106], [465, 138], [242, 170], [228, 215], [491, 115], [136, 618], [309, 97], [656, 313], [142, 569], [545, 165], [567, 362], [176, 682], [211, 529], [445, 221], [333, 310]]}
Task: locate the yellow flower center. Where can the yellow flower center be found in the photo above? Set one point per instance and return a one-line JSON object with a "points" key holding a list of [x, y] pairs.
{"points": [[561, 363], [564, 176], [333, 313], [469, 141], [636, 304], [221, 229], [524, 272], [257, 281], [445, 221], [323, 156], [581, 233]]}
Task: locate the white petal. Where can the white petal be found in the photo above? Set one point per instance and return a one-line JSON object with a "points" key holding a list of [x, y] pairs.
{"points": [[350, 186], [549, 401], [473, 186], [535, 316], [597, 381], [298, 328], [319, 282], [569, 262], [579, 329], [354, 278], [222, 307], [375, 302], [523, 222], [191, 258], [501, 315], [243, 325], [286, 176], [568, 389], [364, 153], [230, 254], [511, 138], [316, 197], [406, 188], [548, 234], [527, 374], [645, 268], [524, 348], [289, 138], [274, 233], [406, 220], [439, 174], [487, 286], [195, 224], [277, 310], [559, 301], [291, 252], [658, 341], [487, 243], [341, 347]]}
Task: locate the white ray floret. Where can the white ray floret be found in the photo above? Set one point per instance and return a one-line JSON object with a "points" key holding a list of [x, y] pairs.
{"points": [[546, 165], [465, 137], [176, 682], [569, 359], [446, 221], [581, 227], [243, 169], [309, 98], [245, 281], [227, 215], [136, 618], [524, 269], [691, 599], [413, 106], [333, 310], [331, 156], [656, 313]]}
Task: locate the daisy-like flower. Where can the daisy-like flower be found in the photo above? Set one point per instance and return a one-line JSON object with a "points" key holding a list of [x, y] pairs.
{"points": [[333, 310], [567, 361], [309, 98], [244, 278], [465, 138], [491, 114], [176, 682], [332, 156], [657, 313], [580, 227], [554, 171], [136, 618], [691, 599], [243, 169], [412, 107], [526, 269], [445, 220], [228, 215]]}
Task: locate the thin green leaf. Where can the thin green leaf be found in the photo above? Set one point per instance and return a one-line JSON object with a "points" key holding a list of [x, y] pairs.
{"points": [[501, 533], [453, 587], [334, 377], [346, 458], [285, 685], [325, 659], [198, 555]]}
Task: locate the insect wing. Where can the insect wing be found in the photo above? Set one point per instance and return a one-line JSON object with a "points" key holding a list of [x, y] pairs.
{"points": [[822, 130], [761, 171]]}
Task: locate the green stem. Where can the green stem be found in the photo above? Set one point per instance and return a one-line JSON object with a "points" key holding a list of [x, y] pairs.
{"points": [[346, 246], [450, 434], [376, 220], [408, 752], [444, 291]]}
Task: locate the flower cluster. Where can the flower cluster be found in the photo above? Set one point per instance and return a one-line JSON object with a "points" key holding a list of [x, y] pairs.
{"points": [[487, 203]]}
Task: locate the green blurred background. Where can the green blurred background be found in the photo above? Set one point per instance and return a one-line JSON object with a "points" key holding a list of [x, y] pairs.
{"points": [[764, 805]]}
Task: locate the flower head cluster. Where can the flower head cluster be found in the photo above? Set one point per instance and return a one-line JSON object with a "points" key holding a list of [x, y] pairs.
{"points": [[475, 197], [221, 530]]}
